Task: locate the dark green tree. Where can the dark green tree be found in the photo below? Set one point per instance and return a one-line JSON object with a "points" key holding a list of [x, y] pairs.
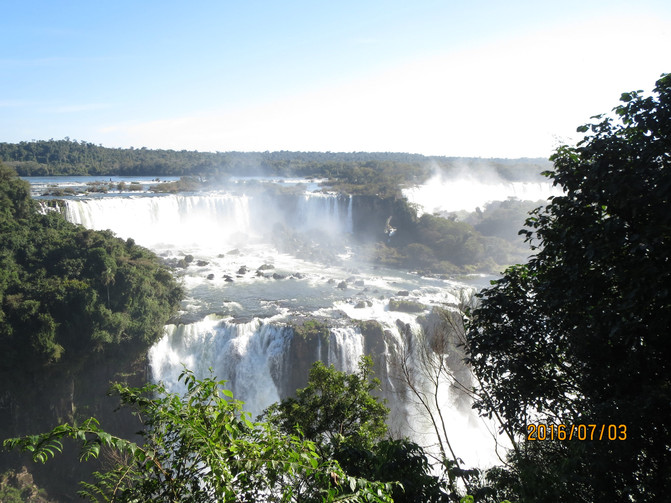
{"points": [[580, 333], [335, 408]]}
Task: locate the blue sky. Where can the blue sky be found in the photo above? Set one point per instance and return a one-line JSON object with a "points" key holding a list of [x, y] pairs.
{"points": [[479, 78]]}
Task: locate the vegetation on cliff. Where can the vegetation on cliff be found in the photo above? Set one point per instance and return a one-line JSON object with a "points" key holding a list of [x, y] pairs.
{"points": [[329, 443], [573, 346], [77, 308], [67, 293]]}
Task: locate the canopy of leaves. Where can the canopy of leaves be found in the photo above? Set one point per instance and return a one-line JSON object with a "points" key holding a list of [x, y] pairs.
{"points": [[579, 334], [340, 414], [67, 293], [335, 408], [366, 172]]}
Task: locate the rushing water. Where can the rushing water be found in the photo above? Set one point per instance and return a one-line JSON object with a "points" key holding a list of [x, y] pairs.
{"points": [[253, 263]]}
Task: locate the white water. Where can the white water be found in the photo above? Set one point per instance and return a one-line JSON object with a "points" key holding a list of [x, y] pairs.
{"points": [[247, 355], [236, 322], [442, 193], [209, 221]]}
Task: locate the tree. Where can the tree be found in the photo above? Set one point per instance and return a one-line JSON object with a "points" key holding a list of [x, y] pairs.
{"points": [[334, 408], [579, 334], [430, 370], [338, 412], [202, 447]]}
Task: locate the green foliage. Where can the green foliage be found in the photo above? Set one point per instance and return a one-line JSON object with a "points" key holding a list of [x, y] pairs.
{"points": [[438, 245], [19, 487], [365, 173], [579, 334], [502, 218], [338, 412], [14, 196], [67, 293], [184, 184], [202, 447], [361, 171], [310, 329], [335, 408], [401, 461]]}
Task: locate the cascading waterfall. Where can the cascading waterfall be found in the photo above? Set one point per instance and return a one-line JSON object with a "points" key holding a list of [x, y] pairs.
{"points": [[207, 221], [254, 357], [255, 291], [346, 347], [163, 221], [247, 355], [445, 193], [325, 212]]}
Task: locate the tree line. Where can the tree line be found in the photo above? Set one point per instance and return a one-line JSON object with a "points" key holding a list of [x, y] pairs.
{"points": [[357, 169]]}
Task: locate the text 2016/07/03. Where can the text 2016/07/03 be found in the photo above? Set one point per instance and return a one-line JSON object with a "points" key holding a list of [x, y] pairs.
{"points": [[576, 432]]}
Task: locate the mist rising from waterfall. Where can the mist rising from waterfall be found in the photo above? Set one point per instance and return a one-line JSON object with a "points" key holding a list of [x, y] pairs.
{"points": [[465, 190]]}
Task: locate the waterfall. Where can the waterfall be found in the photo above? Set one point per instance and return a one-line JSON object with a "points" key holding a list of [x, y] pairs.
{"points": [[259, 361], [252, 357], [247, 355], [324, 212], [238, 273], [164, 221], [208, 221]]}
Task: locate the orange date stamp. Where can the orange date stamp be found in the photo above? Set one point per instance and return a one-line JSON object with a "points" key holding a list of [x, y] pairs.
{"points": [[541, 432]]}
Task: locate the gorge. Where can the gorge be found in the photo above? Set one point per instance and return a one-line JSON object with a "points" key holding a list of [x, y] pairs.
{"points": [[261, 259]]}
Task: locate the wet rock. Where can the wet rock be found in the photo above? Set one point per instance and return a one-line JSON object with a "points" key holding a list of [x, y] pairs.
{"points": [[403, 328], [266, 267], [405, 306], [331, 281], [243, 270], [342, 285], [278, 276], [362, 304], [202, 263], [188, 259], [359, 282], [403, 293], [374, 336], [210, 276]]}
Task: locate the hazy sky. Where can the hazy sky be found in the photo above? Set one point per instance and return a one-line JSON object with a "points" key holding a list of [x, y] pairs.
{"points": [[478, 78]]}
